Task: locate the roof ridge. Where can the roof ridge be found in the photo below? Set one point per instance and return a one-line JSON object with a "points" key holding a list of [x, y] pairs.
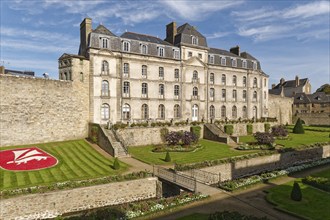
{"points": [[147, 35]]}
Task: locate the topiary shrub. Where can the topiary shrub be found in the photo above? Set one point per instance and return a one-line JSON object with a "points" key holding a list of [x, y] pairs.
{"points": [[188, 137], [173, 138], [298, 128], [279, 131], [229, 129], [116, 164], [264, 138], [196, 130], [163, 134], [168, 157], [267, 127], [296, 192], [249, 129]]}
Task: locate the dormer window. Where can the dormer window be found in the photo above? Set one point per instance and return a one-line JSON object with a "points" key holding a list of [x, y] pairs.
{"points": [[144, 49], [233, 63], [105, 42], [244, 65], [211, 59], [254, 65], [161, 51], [194, 40], [176, 54], [223, 61], [126, 46]]}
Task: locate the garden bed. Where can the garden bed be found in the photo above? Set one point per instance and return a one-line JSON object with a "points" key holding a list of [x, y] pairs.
{"points": [[176, 148]]}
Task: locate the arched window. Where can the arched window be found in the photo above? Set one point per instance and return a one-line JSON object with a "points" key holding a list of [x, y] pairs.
{"points": [[161, 111], [212, 78], [105, 67], [223, 111], [161, 89], [145, 111], [105, 88], [105, 112], [255, 82], [212, 112], [244, 112], [235, 95], [126, 46], [195, 91], [177, 112], [194, 40], [223, 79], [126, 111], [144, 49], [234, 112], [255, 96], [144, 71], [65, 76], [234, 80], [244, 81], [195, 75]]}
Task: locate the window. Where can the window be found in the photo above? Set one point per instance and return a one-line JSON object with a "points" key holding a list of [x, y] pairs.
{"points": [[177, 112], [161, 72], [144, 71], [211, 59], [233, 62], [265, 82], [265, 95], [126, 89], [144, 112], [234, 112], [223, 79], [244, 110], [254, 65], [200, 56], [144, 49], [126, 69], [144, 89], [176, 54], [223, 61], [195, 75], [105, 88], [195, 91], [161, 89], [234, 95], [176, 90], [223, 111], [212, 112], [212, 78], [105, 112], [254, 96], [255, 82], [194, 40], [126, 112], [105, 43], [161, 111], [161, 51], [244, 95], [105, 67], [223, 95], [212, 93], [176, 74], [234, 80], [81, 77], [244, 65], [126, 46], [244, 81], [189, 54]]}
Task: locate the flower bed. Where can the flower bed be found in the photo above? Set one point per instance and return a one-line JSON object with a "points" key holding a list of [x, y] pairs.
{"points": [[242, 182], [176, 148], [255, 146], [318, 182]]}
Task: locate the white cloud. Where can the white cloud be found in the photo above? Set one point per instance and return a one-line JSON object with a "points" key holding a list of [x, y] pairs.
{"points": [[217, 35], [308, 10]]}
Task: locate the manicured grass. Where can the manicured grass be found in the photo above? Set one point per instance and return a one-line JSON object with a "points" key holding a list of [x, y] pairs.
{"points": [[77, 160], [296, 140], [195, 216], [210, 150], [314, 205], [324, 173]]}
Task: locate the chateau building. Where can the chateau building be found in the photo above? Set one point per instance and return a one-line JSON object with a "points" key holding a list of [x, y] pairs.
{"points": [[290, 88], [136, 77]]}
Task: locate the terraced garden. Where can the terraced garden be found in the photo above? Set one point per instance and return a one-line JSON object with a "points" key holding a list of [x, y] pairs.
{"points": [[77, 160]]}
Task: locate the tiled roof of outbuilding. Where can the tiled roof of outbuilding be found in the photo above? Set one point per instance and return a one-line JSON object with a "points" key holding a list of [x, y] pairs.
{"points": [[143, 37], [317, 97], [291, 83]]}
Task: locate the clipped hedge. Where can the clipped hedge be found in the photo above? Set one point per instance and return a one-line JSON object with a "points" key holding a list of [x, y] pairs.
{"points": [[318, 182], [298, 128], [229, 129], [249, 129], [196, 130], [267, 127]]}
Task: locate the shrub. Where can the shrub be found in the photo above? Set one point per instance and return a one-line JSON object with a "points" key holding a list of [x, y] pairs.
{"points": [[229, 129], [163, 134], [298, 128], [173, 138], [196, 130], [168, 157], [267, 127], [249, 129], [279, 131], [188, 137], [116, 164], [296, 192], [264, 138], [94, 134]]}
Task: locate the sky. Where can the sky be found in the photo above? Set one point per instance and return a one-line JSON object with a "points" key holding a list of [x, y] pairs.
{"points": [[289, 38]]}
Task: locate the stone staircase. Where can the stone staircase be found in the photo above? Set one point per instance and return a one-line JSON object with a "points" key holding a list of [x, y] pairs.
{"points": [[120, 150], [215, 133]]}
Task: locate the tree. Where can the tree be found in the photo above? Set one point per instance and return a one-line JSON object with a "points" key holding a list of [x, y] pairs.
{"points": [[298, 128], [167, 157], [324, 88], [279, 131], [264, 138], [116, 164], [296, 192]]}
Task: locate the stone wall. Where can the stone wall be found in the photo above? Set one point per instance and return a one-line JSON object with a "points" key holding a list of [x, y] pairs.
{"points": [[257, 165], [240, 129], [313, 118], [39, 206], [281, 108], [38, 110]]}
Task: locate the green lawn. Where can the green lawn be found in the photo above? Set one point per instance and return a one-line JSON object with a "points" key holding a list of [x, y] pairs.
{"points": [[296, 140], [324, 173], [77, 160], [195, 216], [210, 150], [314, 205]]}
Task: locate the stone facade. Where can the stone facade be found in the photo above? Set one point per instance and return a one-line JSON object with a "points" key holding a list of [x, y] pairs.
{"points": [[50, 205], [280, 107]]}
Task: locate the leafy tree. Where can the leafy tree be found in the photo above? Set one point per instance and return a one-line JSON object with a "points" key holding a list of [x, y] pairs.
{"points": [[324, 88], [173, 138], [298, 128], [168, 157], [116, 164], [296, 192], [264, 138], [229, 129], [188, 137]]}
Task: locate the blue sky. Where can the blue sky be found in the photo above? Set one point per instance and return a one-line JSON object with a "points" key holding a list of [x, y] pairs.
{"points": [[288, 37]]}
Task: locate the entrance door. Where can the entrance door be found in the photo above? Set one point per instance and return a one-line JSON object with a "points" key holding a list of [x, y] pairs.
{"points": [[194, 113]]}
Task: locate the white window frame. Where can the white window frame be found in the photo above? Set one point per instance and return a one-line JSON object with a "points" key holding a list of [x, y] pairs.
{"points": [[233, 62], [144, 49], [212, 59], [176, 54], [223, 61], [161, 51], [126, 47], [194, 40], [244, 64]]}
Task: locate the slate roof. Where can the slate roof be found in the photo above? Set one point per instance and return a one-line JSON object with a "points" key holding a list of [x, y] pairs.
{"points": [[103, 30], [19, 73], [317, 97], [291, 83], [247, 56], [143, 37], [221, 52], [189, 30]]}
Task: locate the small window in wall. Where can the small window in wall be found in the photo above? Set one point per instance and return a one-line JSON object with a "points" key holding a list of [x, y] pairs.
{"points": [[254, 65], [255, 82], [212, 78], [223, 111], [195, 91], [234, 80], [126, 46], [265, 82], [244, 95], [176, 74], [233, 62], [189, 54], [144, 49], [161, 72], [211, 59], [223, 79], [161, 89], [105, 112], [212, 112], [234, 112], [126, 89], [161, 111], [176, 90], [105, 67], [177, 112], [126, 111], [244, 112], [255, 96], [194, 40], [195, 75], [144, 89], [265, 95], [212, 92], [223, 94], [223, 61], [234, 95], [126, 69], [144, 71], [161, 51], [244, 81], [81, 77], [144, 112], [105, 88]]}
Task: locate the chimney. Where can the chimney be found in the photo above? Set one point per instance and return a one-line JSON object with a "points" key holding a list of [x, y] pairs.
{"points": [[85, 30], [297, 81], [273, 86], [171, 31], [282, 81], [235, 50]]}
